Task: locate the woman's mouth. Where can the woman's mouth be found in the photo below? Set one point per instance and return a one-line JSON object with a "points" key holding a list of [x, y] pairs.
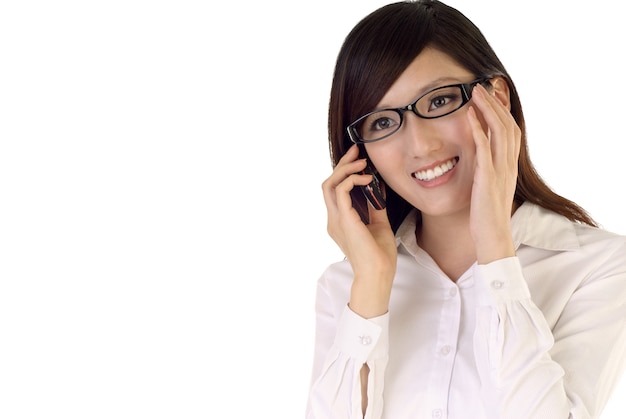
{"points": [[437, 171]]}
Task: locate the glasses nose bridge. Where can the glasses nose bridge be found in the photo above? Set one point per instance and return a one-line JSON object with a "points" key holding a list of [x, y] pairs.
{"points": [[419, 119], [410, 107]]}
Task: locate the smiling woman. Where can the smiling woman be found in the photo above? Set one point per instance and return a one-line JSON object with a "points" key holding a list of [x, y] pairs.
{"points": [[161, 161], [473, 291]]}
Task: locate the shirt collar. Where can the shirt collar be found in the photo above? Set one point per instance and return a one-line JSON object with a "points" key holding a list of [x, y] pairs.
{"points": [[531, 225], [539, 227]]}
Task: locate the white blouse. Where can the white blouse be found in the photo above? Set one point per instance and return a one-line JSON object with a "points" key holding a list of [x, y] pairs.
{"points": [[539, 335]]}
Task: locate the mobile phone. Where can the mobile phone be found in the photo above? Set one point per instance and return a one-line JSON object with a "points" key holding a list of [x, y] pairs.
{"points": [[373, 191]]}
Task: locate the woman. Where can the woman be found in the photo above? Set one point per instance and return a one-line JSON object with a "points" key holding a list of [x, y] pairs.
{"points": [[477, 292]]}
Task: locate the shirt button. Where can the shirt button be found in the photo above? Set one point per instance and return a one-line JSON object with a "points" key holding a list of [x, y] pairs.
{"points": [[365, 340], [445, 350], [497, 285], [437, 413], [452, 292]]}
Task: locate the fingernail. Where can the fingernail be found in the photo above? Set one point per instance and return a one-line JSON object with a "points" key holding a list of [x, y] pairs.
{"points": [[471, 111]]}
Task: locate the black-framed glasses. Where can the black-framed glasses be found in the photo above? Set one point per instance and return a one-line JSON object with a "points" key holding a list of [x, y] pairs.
{"points": [[436, 103]]}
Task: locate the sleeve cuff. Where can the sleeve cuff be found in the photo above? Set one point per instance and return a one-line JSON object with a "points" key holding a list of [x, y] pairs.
{"points": [[500, 282], [363, 339]]}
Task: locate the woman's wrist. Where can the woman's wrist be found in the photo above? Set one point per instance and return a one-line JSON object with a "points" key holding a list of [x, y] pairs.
{"points": [[495, 250], [369, 298]]}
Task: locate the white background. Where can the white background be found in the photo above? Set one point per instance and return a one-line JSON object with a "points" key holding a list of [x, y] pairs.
{"points": [[161, 219]]}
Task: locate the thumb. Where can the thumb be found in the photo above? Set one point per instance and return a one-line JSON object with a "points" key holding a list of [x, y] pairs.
{"points": [[379, 216]]}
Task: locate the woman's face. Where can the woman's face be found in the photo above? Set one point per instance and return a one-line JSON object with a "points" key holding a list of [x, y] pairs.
{"points": [[428, 162]]}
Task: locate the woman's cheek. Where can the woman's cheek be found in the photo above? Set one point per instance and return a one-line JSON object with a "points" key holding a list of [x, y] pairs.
{"points": [[381, 156]]}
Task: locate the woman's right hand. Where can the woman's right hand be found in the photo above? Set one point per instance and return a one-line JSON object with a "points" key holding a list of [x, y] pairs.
{"points": [[370, 249]]}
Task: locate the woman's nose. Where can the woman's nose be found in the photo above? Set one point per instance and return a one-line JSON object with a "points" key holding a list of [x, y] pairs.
{"points": [[420, 135]]}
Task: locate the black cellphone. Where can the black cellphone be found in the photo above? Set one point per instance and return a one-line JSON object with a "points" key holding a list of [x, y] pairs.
{"points": [[373, 191]]}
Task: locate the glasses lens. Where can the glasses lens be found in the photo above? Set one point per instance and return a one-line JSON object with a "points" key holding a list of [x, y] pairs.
{"points": [[378, 125], [434, 104], [440, 102]]}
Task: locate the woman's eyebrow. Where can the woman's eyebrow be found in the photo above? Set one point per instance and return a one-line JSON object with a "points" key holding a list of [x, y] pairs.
{"points": [[438, 82], [441, 81]]}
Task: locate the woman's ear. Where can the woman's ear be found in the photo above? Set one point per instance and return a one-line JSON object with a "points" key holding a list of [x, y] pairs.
{"points": [[500, 89]]}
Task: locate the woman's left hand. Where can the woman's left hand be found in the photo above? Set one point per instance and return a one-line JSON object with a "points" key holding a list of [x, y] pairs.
{"points": [[495, 176]]}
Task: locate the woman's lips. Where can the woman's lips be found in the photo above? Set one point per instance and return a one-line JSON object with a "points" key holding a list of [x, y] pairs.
{"points": [[433, 173]]}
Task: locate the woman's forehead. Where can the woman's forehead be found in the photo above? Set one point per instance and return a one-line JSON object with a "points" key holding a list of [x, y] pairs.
{"points": [[429, 70]]}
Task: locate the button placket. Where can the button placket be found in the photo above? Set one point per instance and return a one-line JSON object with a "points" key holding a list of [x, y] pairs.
{"points": [[444, 351]]}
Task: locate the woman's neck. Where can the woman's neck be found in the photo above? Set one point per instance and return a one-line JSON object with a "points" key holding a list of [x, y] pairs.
{"points": [[448, 241]]}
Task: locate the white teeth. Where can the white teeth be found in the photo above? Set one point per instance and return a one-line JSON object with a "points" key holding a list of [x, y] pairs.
{"points": [[434, 173]]}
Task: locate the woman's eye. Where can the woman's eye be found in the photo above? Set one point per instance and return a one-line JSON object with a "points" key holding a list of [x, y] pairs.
{"points": [[383, 123], [440, 101]]}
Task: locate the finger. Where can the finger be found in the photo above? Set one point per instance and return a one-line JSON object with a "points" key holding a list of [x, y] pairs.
{"points": [[481, 140], [492, 112], [377, 216], [489, 102], [342, 171], [502, 126], [351, 155], [346, 166], [342, 216], [342, 191]]}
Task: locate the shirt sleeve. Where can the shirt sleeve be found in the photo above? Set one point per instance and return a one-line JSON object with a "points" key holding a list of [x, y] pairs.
{"points": [[344, 342], [529, 370]]}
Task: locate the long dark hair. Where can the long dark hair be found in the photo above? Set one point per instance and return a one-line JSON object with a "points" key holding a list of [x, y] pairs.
{"points": [[381, 47]]}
